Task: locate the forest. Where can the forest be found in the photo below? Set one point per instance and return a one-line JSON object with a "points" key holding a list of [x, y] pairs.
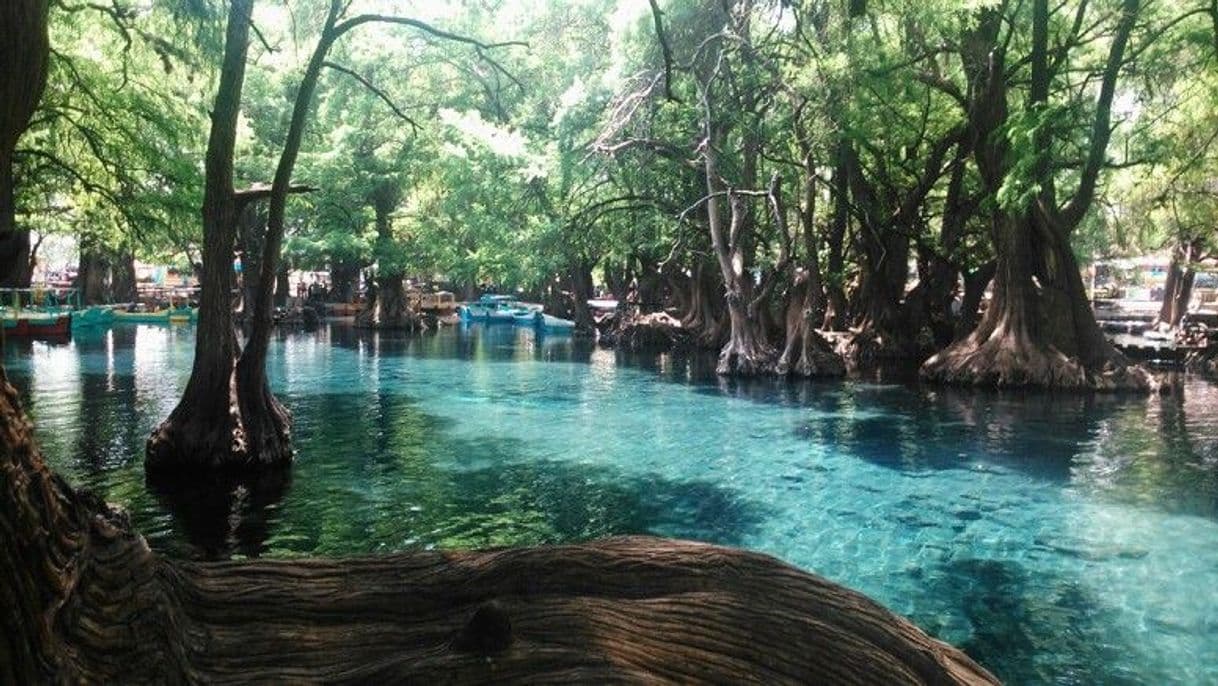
{"points": [[803, 188], [762, 172]]}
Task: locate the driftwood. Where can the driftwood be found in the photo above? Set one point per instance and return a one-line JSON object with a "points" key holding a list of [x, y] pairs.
{"points": [[85, 600]]}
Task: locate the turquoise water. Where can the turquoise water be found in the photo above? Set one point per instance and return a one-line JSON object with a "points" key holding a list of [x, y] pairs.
{"points": [[1056, 539]]}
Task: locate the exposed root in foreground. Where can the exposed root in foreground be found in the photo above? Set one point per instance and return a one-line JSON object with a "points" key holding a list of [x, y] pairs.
{"points": [[86, 601]]}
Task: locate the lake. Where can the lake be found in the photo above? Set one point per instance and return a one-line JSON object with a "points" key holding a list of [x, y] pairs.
{"points": [[1054, 538]]}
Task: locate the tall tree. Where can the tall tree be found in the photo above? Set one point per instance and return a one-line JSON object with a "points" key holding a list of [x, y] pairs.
{"points": [[207, 429], [1039, 329], [24, 54]]}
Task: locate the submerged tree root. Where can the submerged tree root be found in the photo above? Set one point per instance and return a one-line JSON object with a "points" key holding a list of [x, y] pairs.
{"points": [[86, 601]]}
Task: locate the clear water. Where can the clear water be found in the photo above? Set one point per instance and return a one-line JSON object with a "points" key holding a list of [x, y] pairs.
{"points": [[1056, 539]]}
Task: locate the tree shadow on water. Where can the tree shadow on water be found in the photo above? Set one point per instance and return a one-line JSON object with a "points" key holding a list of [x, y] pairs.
{"points": [[1031, 627], [375, 474], [553, 501]]}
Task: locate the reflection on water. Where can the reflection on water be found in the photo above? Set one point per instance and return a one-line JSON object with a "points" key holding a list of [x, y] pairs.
{"points": [[1056, 538]]}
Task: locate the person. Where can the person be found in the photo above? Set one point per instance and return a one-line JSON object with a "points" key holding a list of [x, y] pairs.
{"points": [[300, 289]]}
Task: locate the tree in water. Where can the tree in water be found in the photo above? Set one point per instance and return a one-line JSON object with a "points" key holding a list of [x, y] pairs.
{"points": [[388, 306], [228, 417], [208, 428], [1039, 329]]}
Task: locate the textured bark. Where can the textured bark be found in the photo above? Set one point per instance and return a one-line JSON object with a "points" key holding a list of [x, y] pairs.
{"points": [[835, 311], [581, 293], [251, 234], [747, 352], [705, 318], [218, 424], [1178, 288], [283, 286], [122, 276], [24, 54], [1039, 330], [342, 282], [86, 601], [806, 352], [388, 307], [93, 276], [975, 283]]}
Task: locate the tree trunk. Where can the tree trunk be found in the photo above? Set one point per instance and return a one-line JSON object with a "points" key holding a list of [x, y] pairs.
{"points": [[747, 352], [581, 293], [388, 307], [342, 279], [975, 283], [1178, 289], [211, 428], [806, 353], [251, 233], [122, 276], [1039, 330], [705, 317], [283, 286], [86, 601], [835, 273], [24, 54], [93, 275]]}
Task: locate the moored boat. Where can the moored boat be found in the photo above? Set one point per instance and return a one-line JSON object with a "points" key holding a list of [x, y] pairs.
{"points": [[495, 309], [178, 315], [36, 324], [98, 315], [548, 322]]}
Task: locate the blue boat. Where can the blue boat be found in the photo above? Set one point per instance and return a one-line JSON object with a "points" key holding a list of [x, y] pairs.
{"points": [[496, 309]]}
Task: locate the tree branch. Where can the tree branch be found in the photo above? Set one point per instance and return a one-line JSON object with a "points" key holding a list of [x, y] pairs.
{"points": [[376, 91], [480, 47], [657, 16], [1073, 213]]}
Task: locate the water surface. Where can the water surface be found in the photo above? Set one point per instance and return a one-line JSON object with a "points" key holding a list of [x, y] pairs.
{"points": [[1056, 539]]}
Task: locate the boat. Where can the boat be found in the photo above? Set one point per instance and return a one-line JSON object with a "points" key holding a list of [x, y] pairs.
{"points": [[495, 309], [177, 315], [548, 322], [93, 316], [524, 314], [142, 316], [36, 324]]}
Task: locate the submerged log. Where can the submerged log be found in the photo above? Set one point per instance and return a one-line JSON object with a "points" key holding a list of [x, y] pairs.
{"points": [[87, 601]]}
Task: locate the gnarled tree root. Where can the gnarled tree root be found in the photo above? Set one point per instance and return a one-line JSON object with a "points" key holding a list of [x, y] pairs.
{"points": [[653, 332], [1017, 362], [86, 601]]}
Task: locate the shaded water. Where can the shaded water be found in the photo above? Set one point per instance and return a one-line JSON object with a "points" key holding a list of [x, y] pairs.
{"points": [[1071, 540]]}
